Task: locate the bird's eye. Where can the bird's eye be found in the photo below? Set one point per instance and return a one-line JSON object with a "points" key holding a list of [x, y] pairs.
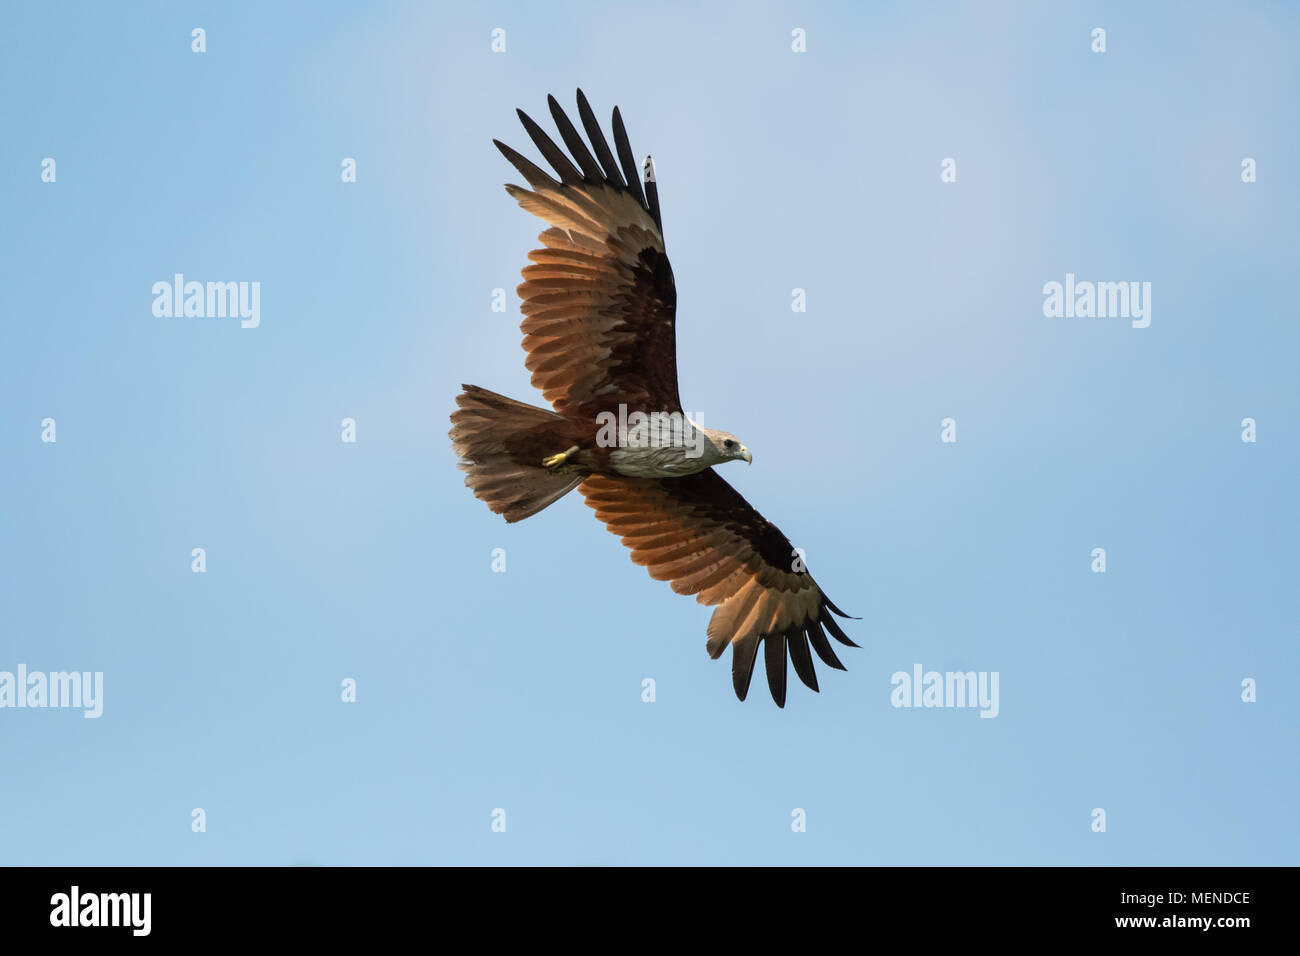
{"points": [[730, 444]]}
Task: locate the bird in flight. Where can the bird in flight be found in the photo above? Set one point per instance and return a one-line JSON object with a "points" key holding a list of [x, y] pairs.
{"points": [[599, 307]]}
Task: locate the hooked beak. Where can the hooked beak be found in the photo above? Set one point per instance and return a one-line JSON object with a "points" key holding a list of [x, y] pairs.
{"points": [[744, 453]]}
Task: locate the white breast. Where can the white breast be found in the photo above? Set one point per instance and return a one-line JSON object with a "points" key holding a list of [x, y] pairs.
{"points": [[667, 462]]}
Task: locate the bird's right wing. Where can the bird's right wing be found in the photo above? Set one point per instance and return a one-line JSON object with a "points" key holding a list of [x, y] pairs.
{"points": [[599, 299], [701, 534]]}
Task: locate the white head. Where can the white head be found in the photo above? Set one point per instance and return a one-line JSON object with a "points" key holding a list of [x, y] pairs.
{"points": [[718, 446]]}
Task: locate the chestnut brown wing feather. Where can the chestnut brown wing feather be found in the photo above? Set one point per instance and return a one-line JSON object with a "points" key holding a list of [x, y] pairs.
{"points": [[702, 536]]}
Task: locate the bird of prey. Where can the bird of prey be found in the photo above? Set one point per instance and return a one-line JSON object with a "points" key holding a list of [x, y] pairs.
{"points": [[599, 307]]}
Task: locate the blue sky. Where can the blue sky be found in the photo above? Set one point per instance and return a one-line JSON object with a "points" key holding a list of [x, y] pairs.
{"points": [[777, 170]]}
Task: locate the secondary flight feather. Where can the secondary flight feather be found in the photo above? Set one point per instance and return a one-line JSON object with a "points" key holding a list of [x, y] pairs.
{"points": [[600, 305]]}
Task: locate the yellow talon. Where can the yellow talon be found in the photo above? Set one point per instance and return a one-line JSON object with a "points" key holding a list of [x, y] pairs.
{"points": [[555, 461]]}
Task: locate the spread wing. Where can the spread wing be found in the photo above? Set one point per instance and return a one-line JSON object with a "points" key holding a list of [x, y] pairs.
{"points": [[599, 300], [700, 534]]}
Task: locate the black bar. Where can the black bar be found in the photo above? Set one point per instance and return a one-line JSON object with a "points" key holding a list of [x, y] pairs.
{"points": [[305, 904]]}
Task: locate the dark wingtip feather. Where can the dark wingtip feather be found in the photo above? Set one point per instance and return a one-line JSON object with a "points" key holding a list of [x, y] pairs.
{"points": [[744, 654], [652, 193], [774, 662], [590, 169], [536, 176], [797, 643], [598, 142], [568, 173], [837, 632], [831, 604], [823, 647], [626, 158]]}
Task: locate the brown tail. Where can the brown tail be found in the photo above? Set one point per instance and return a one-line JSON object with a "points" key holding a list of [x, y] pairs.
{"points": [[501, 443]]}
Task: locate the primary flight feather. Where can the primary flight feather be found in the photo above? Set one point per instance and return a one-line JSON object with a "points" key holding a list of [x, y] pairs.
{"points": [[600, 306]]}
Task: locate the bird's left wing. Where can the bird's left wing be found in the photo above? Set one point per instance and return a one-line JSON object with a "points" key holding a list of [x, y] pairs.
{"points": [[599, 297], [700, 534]]}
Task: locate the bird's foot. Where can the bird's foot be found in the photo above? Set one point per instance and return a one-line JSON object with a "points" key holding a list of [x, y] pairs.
{"points": [[556, 462]]}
